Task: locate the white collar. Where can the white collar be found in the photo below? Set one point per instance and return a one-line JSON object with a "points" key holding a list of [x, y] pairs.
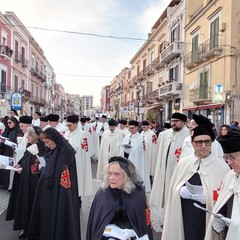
{"points": [[205, 161]]}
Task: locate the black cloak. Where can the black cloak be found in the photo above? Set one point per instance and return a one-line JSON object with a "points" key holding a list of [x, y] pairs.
{"points": [[104, 208], [55, 214], [23, 190]]}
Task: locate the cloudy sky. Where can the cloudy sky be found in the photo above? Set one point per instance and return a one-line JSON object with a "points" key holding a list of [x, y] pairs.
{"points": [[83, 62]]}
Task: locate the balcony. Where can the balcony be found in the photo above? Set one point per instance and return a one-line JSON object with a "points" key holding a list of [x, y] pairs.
{"points": [[172, 88], [149, 70], [157, 65], [6, 52], [200, 95], [26, 94], [174, 50], [210, 48], [151, 97], [33, 71], [141, 76], [17, 57], [24, 61]]}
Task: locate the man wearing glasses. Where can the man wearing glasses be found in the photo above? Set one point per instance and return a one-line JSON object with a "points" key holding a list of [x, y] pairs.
{"points": [[169, 150], [226, 224], [195, 179]]}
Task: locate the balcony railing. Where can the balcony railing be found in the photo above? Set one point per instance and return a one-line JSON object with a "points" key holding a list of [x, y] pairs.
{"points": [[211, 47], [157, 64], [172, 51], [201, 95], [141, 76], [149, 70], [6, 52], [171, 88]]}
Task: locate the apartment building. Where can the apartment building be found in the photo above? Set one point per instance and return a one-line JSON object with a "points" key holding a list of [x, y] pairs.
{"points": [[119, 94], [5, 64], [212, 61]]}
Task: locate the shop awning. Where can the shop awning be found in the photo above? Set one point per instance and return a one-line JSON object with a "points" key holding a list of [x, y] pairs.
{"points": [[210, 106], [190, 108], [202, 107], [159, 105]]}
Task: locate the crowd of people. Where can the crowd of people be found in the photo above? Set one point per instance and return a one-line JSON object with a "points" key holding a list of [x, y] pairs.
{"points": [[183, 169]]}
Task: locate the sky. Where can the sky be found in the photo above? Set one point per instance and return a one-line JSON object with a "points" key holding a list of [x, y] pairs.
{"points": [[68, 31]]}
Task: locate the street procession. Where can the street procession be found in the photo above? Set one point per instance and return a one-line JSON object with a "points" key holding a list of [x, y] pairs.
{"points": [[148, 152]]}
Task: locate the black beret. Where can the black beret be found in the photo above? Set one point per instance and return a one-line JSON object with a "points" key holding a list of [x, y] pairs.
{"points": [[96, 118], [123, 122], [203, 130], [73, 118], [145, 123], [133, 122], [53, 117], [38, 113], [231, 141], [201, 120], [104, 116], [88, 118], [112, 122], [25, 119], [43, 119], [83, 119], [179, 116]]}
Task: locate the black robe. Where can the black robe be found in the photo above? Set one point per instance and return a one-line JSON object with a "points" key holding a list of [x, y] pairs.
{"points": [[23, 190], [11, 134], [104, 209], [55, 214]]}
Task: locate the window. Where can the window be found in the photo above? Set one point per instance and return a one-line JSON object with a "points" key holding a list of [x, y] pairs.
{"points": [[173, 74], [144, 63], [22, 84], [23, 54], [170, 108], [16, 48], [194, 47], [149, 87], [152, 57], [3, 81], [37, 69], [16, 83], [214, 37], [32, 89], [175, 34], [203, 85]]}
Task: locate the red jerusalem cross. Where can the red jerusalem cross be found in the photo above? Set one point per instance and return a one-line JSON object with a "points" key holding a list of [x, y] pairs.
{"points": [[154, 139], [178, 153], [65, 179], [84, 144]]}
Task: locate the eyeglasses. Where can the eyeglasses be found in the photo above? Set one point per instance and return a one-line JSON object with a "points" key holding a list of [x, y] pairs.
{"points": [[9, 122], [200, 143], [231, 157]]}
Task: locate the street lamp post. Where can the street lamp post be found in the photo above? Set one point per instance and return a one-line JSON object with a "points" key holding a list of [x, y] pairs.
{"points": [[138, 91]]}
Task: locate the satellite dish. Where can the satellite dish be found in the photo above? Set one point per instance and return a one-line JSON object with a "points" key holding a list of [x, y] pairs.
{"points": [[191, 86]]}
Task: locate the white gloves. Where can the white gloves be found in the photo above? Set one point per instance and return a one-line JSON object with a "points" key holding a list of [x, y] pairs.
{"points": [[220, 223], [185, 193]]}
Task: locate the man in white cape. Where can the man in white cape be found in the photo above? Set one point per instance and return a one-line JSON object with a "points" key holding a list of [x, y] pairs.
{"points": [[78, 139], [133, 148], [110, 146], [100, 128], [196, 180], [150, 140], [227, 224], [170, 145], [53, 121], [187, 148]]}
